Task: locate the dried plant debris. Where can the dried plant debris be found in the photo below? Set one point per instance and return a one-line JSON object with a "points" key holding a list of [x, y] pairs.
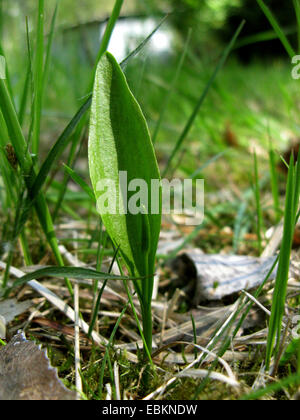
{"points": [[26, 374], [222, 275], [2, 327], [9, 310], [206, 322], [216, 276]]}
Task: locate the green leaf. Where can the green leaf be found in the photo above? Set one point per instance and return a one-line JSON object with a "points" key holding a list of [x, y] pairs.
{"points": [[120, 141], [277, 28], [65, 138], [73, 272]]}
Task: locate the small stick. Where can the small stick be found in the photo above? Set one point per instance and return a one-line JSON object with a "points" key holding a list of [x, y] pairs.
{"points": [[77, 343], [117, 381]]}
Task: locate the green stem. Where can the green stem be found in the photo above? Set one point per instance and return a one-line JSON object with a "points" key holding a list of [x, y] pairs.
{"points": [[147, 328], [25, 248]]}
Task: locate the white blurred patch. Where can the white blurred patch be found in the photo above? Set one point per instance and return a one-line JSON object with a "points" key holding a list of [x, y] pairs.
{"points": [[2, 328], [130, 32], [2, 67]]}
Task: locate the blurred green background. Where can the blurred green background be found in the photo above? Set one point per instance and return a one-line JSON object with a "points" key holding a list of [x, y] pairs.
{"points": [[254, 98]]}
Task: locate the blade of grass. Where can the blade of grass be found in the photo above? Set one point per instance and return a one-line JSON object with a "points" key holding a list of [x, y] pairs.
{"points": [[172, 87], [297, 189], [106, 355], [274, 184], [29, 81], [195, 334], [279, 295], [1, 19], [76, 178], [263, 36], [97, 304], [9, 175], [273, 21], [258, 204], [139, 48], [243, 307], [6, 177], [140, 78], [297, 11], [38, 80], [146, 348], [107, 34], [7, 75], [13, 238], [25, 249], [77, 139], [238, 225], [74, 272], [224, 346], [58, 149], [49, 49], [202, 98], [209, 162], [23, 102], [292, 380], [15, 132]]}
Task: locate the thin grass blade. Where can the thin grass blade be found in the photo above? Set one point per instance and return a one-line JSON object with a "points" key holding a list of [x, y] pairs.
{"points": [[283, 267], [277, 28], [259, 215], [192, 118], [274, 184], [76, 178], [297, 11], [63, 272], [108, 33], [49, 49], [172, 87], [38, 80]]}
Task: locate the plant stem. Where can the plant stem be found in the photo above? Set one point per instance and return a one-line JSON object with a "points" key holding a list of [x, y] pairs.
{"points": [[147, 327]]}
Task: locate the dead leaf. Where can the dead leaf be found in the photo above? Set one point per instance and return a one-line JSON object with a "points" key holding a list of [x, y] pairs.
{"points": [[64, 329], [296, 239], [9, 310], [223, 275], [26, 374]]}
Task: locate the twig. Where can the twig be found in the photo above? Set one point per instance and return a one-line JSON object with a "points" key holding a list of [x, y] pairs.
{"points": [[57, 302], [77, 343], [117, 381]]}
